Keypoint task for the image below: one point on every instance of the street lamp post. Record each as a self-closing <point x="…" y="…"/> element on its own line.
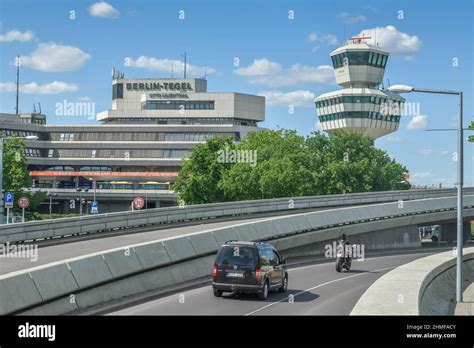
<point x="94" y="184"/>
<point x="460" y="174"/>
<point x="80" y="199"/>
<point x="51" y="195"/>
<point x="28" y="137"/>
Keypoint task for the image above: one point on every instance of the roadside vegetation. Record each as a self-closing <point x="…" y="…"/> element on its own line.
<point x="16" y="177"/>
<point x="281" y="163"/>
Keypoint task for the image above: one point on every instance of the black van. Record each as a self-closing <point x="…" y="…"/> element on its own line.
<point x="248" y="267"/>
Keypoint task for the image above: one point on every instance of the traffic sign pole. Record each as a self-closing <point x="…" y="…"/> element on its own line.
<point x="138" y="203"/>
<point x="23" y="203"/>
<point x="9" y="197"/>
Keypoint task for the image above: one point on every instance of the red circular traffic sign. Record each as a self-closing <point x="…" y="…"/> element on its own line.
<point x="138" y="203"/>
<point x="23" y="202"/>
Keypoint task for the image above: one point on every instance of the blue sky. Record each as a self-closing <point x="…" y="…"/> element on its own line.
<point x="281" y="54"/>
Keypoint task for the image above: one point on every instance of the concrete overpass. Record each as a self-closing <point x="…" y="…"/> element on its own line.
<point x="174" y="262"/>
<point x="164" y="217"/>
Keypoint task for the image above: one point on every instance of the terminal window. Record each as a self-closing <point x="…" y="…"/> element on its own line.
<point x="178" y="105"/>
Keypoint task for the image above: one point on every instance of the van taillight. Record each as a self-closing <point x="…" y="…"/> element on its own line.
<point x="214" y="271"/>
<point x="258" y="273"/>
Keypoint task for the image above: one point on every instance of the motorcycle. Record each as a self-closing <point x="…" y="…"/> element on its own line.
<point x="343" y="257"/>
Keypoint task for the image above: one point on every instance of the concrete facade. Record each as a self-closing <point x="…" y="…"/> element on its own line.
<point x="140" y="145"/>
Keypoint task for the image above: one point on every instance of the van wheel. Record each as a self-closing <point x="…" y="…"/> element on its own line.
<point x="284" y="284"/>
<point x="264" y="293"/>
<point x="217" y="293"/>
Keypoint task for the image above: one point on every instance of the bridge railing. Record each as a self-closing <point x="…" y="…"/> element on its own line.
<point x="89" y="224"/>
<point x="133" y="269"/>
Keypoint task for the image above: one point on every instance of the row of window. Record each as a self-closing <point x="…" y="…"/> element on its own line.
<point x="16" y="133"/>
<point x="82" y="169"/>
<point x="32" y="152"/>
<point x="150" y="136"/>
<point x="181" y="121"/>
<point x="359" y="58"/>
<point x="66" y="137"/>
<point x="120" y="154"/>
<point x="178" y="105"/>
<point x="358" y="99"/>
<point x="360" y="114"/>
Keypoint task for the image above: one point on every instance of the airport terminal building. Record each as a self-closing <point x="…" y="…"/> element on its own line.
<point x="139" y="145"/>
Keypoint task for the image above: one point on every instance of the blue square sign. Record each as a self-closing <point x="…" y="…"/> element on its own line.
<point x="95" y="207"/>
<point x="9" y="199"/>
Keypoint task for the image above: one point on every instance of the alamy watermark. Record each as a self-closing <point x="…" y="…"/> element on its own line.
<point x="20" y="251"/>
<point x="403" y="109"/>
<point x="83" y="107"/>
<point x="354" y="251"/>
<point x="229" y="155"/>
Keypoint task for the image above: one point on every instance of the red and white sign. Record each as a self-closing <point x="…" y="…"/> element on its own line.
<point x="138" y="203"/>
<point x="23" y="202"/>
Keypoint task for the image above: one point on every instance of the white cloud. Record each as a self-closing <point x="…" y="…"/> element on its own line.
<point x="52" y="57"/>
<point x="265" y="72"/>
<point x="297" y="98"/>
<point x="418" y="122"/>
<point x="55" y="87"/>
<point x="329" y="39"/>
<point x="444" y="152"/>
<point x="84" y="99"/>
<point x="422" y="175"/>
<point x="103" y="10"/>
<point x="260" y="67"/>
<point x="15" y="35"/>
<point x="425" y="152"/>
<point x="318" y="126"/>
<point x="347" y="18"/>
<point x="392" y="40"/>
<point x="312" y="36"/>
<point x="394" y="138"/>
<point x="168" y="66"/>
<point x="7" y="86"/>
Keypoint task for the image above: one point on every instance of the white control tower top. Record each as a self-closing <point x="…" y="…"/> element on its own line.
<point x="358" y="64"/>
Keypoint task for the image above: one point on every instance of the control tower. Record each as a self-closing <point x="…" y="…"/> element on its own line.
<point x="360" y="106"/>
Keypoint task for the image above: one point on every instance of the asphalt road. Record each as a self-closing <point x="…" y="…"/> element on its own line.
<point x="64" y="251"/>
<point x="316" y="290"/>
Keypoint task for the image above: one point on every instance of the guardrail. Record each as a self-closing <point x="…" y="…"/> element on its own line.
<point x="117" y="273"/>
<point x="57" y="228"/>
<point x="422" y="287"/>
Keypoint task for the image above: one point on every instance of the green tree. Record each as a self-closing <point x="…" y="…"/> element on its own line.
<point x="281" y="168"/>
<point x="348" y="162"/>
<point x="471" y="137"/>
<point x="200" y="173"/>
<point x="15" y="174"/>
<point x="287" y="165"/>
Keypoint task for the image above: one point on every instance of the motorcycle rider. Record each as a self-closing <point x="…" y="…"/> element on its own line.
<point x="345" y="244"/>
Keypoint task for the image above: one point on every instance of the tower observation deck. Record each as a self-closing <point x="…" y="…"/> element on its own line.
<point x="360" y="106"/>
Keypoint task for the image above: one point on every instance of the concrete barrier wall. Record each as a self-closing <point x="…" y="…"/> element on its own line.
<point x="35" y="230"/>
<point x="426" y="286"/>
<point x="173" y="261"/>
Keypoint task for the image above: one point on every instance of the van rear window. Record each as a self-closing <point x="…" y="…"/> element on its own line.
<point x="237" y="255"/>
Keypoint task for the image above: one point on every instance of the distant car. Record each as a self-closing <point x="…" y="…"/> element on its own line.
<point x="248" y="267"/>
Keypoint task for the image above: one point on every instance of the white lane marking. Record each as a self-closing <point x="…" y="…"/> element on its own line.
<point x="318" y="286"/>
<point x="368" y="258"/>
